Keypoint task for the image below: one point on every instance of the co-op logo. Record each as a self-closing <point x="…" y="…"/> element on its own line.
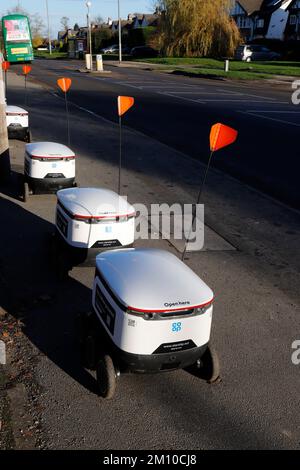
<point x="176" y="304"/>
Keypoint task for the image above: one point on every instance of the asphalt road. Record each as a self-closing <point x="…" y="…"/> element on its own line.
<point x="179" y="111"/>
<point x="256" y="284"/>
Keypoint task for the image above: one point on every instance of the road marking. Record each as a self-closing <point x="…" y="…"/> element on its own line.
<point x="282" y="121"/>
<point x="164" y="93"/>
<point x="271" y="111"/>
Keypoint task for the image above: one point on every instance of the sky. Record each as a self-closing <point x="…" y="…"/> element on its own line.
<point x="76" y="10"/>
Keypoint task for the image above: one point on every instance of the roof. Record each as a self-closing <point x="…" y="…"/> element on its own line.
<point x="250" y="6"/>
<point x="152" y="280"/>
<point x="48" y="149"/>
<point x="94" y="202"/>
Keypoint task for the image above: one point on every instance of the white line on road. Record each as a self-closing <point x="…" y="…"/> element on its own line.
<point x="271" y="111"/>
<point x="282" y="121"/>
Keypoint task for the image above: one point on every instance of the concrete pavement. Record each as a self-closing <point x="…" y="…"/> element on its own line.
<point x="256" y="316"/>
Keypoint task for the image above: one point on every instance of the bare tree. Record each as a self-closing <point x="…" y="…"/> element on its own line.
<point x="197" y="28"/>
<point x="36" y="22"/>
<point x="65" y="22"/>
<point x="97" y="19"/>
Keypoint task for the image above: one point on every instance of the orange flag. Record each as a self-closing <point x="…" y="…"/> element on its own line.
<point x="64" y="84"/>
<point x="124" y="103"/>
<point x="221" y="136"/>
<point x="26" y="69"/>
<point x="5" y="65"/>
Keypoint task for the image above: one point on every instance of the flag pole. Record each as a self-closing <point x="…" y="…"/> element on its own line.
<point x="5" y="80"/>
<point x="68" y="121"/>
<point x="198" y="202"/>
<point x="120" y="155"/>
<point x="25" y="76"/>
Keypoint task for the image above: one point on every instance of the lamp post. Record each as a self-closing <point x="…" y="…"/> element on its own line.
<point x="120" y="33"/>
<point x="88" y="5"/>
<point x="48" y="22"/>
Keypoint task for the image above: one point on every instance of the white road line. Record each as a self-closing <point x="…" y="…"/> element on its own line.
<point x="271" y="111"/>
<point x="282" y="121"/>
<point x="180" y="97"/>
<point x="231" y="100"/>
<point x="202" y="93"/>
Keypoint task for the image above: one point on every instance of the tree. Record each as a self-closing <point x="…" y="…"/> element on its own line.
<point x="36" y="22"/>
<point x="65" y="22"/>
<point x="97" y="19"/>
<point x="197" y="28"/>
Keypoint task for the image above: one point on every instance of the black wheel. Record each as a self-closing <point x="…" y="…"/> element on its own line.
<point x="207" y="367"/>
<point x="106" y="377"/>
<point x="28" y="137"/>
<point x="26" y="192"/>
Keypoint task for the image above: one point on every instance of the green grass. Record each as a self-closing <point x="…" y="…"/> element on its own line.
<point x="54" y="55"/>
<point x="238" y="69"/>
<point x="213" y="73"/>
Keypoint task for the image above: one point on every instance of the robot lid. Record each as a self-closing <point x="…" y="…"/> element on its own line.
<point x="15" y="111"/>
<point x="49" y="150"/>
<point x="96" y="203"/>
<point x="151" y="280"/>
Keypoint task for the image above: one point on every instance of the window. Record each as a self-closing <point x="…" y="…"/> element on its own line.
<point x="260" y="23"/>
<point x="293" y="19"/>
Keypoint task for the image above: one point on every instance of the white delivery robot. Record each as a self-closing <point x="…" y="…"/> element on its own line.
<point x="17" y="123"/>
<point x="48" y="167"/>
<point x="151" y="313"/>
<point x="89" y="220"/>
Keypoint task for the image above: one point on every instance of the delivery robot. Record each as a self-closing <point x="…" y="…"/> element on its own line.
<point x="88" y="221"/>
<point x="48" y="167"/>
<point x="151" y="313"/>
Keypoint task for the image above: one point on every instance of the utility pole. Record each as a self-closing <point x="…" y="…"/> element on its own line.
<point x="88" y="5"/>
<point x="4" y="146"/>
<point x="49" y="35"/>
<point x="120" y="33"/>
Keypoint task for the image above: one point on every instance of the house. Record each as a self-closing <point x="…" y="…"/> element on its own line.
<point x="245" y="12"/>
<point x="145" y="20"/>
<point x="268" y="19"/>
<point x="292" y="31"/>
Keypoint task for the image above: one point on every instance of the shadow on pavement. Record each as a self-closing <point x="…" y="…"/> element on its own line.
<point x="30" y="292"/>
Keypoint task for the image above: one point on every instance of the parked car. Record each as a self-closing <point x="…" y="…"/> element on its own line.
<point x="114" y="49"/>
<point x="143" y="51"/>
<point x="253" y="52"/>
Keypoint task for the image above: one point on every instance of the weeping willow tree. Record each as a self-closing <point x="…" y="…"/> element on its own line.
<point x="197" y="28"/>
